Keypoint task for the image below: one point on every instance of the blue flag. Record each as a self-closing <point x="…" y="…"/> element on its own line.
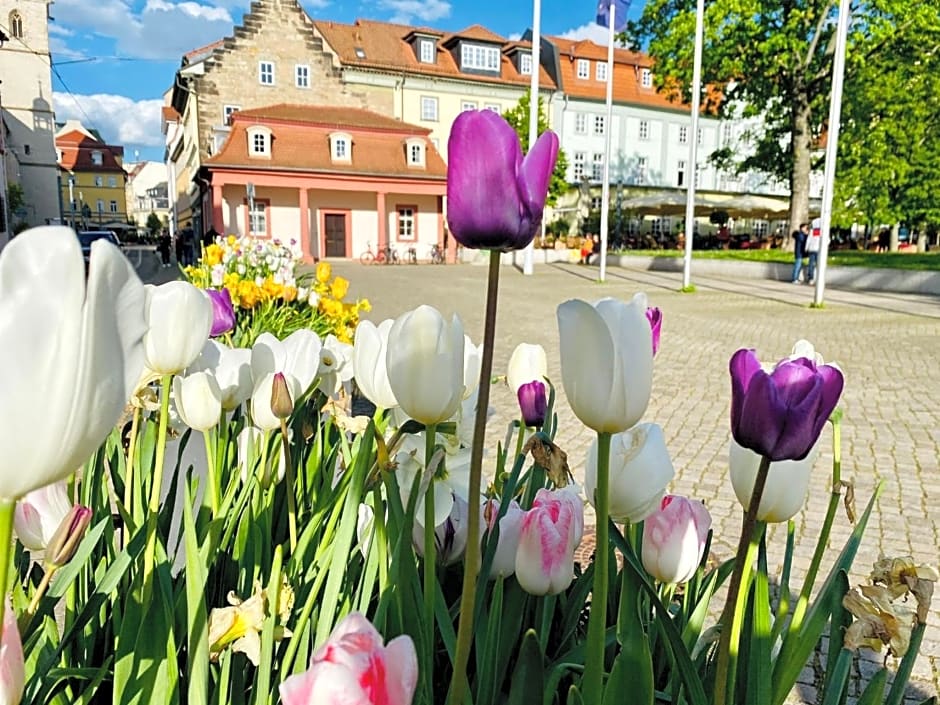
<point x="620" y="16"/>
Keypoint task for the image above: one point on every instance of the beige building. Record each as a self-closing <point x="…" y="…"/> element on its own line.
<point x="26" y="109"/>
<point x="146" y="192"/>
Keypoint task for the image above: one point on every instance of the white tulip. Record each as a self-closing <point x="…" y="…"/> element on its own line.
<point x="71" y="356"/>
<point x="606" y="361"/>
<point x="297" y="356"/>
<point x="370" y="346"/>
<point x="528" y="363"/>
<point x="198" y="400"/>
<point x="510" y="530"/>
<point x="472" y="362"/>
<point x="231" y="368"/>
<point x="450" y="536"/>
<point x="39" y="514"/>
<point x="261" y="414"/>
<point x="179" y="317"/>
<point x="425" y="362"/>
<point x="787" y="482"/>
<point x="640" y="469"/>
<point x="336" y="366"/>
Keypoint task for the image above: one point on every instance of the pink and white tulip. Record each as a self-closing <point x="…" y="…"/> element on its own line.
<point x="550" y="533"/>
<point x="510" y="529"/>
<point x="354" y="668"/>
<point x="38" y="515"/>
<point x="674" y="539"/>
<point x="12" y="669"/>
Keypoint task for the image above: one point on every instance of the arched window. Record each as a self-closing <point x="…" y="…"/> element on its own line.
<point x="16" y="25"/>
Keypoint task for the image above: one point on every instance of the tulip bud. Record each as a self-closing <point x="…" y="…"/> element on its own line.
<point x="12" y="668"/>
<point x="640" y="469"/>
<point x="533" y="404"/>
<point x="674" y="538"/>
<point x="282" y="406"/>
<point x="223" y="313"/>
<point x="180" y="319"/>
<point x="510" y="528"/>
<point x="38" y="515"/>
<point x="262" y="410"/>
<point x="67" y="537"/>
<point x="527" y="363"/>
<point x="198" y="400"/>
<point x="550" y="533"/>
<point x="655" y="317"/>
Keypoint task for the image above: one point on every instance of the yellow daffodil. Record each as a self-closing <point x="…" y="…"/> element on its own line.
<point x="339" y="287"/>
<point x="324" y="271"/>
<point x="239" y="625"/>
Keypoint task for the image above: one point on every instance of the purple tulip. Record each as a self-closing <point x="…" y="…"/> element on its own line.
<point x="655" y="317"/>
<point x="495" y="197"/>
<point x="780" y="414"/>
<point x="223" y="313"/>
<point x="533" y="403"/>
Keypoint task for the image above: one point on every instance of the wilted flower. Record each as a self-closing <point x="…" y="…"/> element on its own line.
<point x="901" y="576"/>
<point x="71" y="357"/>
<point x="878" y="621"/>
<point x="354" y="668"/>
<point x="495" y="197"/>
<point x="780" y="414"/>
<point x="640" y="469"/>
<point x="606" y="361"/>
<point x="674" y="539"/>
<point x="240" y="625"/>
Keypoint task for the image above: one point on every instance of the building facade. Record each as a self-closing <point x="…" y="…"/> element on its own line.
<point x="336" y="181"/>
<point x="146" y="192"/>
<point x="93" y="179"/>
<point x="27" y="111"/>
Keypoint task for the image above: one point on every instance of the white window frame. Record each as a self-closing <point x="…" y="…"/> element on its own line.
<point x="600" y="71"/>
<point x="644" y="129"/>
<point x="600" y="124"/>
<point x="646" y="78"/>
<point x="580" y="123"/>
<point x="425" y="51"/>
<point x="584" y="68"/>
<point x="597" y="167"/>
<point x="415" y="152"/>
<point x="525" y="64"/>
<point x="112" y="182"/>
<point x="99" y="181"/>
<point x="266" y="73"/>
<point x="642" y="166"/>
<point x="495" y="107"/>
<point x="227" y="111"/>
<point x="680" y="173"/>
<point x="700" y="136"/>
<point x="258" y="218"/>
<point x="728" y="132"/>
<point x="97" y="158"/>
<point x="466" y="105"/>
<point x="100" y="205"/>
<point x="341" y="147"/>
<point x="259" y="141"/>
<point x="113" y="206"/>
<point x="683" y="134"/>
<point x="577" y="165"/>
<point x="479" y="57"/>
<point x="407" y="222"/>
<point x="302" y="75"/>
<point x="429" y="108"/>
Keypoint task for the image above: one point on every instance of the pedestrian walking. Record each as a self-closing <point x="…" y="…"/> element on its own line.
<point x="812" y="250"/>
<point x="799" y="250"/>
<point x="164" y="247"/>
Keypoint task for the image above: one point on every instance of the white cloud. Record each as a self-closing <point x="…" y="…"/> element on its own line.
<point x="591" y="30"/>
<point x="514" y="36"/>
<point x="163" y="29"/>
<point x="60" y="31"/>
<point x="406" y="11"/>
<point x="119" y="119"/>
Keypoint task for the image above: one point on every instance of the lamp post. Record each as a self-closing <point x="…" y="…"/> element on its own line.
<point x="72" y="199"/>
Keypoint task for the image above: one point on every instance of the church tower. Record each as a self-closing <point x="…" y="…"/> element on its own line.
<point x="27" y="113"/>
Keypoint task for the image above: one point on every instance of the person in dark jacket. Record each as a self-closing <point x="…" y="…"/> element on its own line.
<point x="799" y="251"/>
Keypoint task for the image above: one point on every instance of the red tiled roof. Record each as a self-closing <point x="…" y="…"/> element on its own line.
<point x="76" y="148"/>
<point x="384" y="47"/>
<point x="300" y="142"/>
<point x="203" y="51"/>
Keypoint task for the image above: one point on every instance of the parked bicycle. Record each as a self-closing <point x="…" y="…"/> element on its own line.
<point x="391" y="255"/>
<point x="437" y="254"/>
<point x="411" y="256"/>
<point x="370" y="257"/>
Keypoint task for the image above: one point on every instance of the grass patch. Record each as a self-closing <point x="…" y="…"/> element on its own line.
<point x="927" y="261"/>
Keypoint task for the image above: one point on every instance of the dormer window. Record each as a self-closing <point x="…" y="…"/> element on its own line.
<point x="646" y="78"/>
<point x="259" y="141"/>
<point x="477" y="57"/>
<point x="341" y="147"/>
<point x="97" y="158"/>
<point x="426" y="51"/>
<point x="414" y="151"/>
<point x="584" y="68"/>
<point x="600" y="71"/>
<point x="525" y="64"/>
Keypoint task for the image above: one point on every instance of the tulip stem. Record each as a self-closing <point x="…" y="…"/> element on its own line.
<point x="458" y="683"/>
<point x="7" y="509"/>
<point x="733" y="612"/>
<point x="430" y="561"/>
<point x="592" y="684"/>
<point x="157" y="486"/>
<point x="129" y="474"/>
<point x="41" y="590"/>
<point x="212" y="487"/>
<point x="291" y="490"/>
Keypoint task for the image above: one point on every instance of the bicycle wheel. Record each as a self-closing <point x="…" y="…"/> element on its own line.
<point x="366" y="257"/>
<point x="380" y="258"/>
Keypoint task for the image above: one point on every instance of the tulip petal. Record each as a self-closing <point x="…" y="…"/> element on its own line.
<point x="535" y="173"/>
<point x="401" y="663"/>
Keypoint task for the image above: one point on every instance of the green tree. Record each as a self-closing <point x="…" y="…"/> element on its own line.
<point x="771" y="59"/>
<point x="16" y="199"/>
<point x="518" y="117"/>
<point x="154" y="224"/>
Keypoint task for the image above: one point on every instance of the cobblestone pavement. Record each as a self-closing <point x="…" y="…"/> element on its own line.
<point x="887" y="344"/>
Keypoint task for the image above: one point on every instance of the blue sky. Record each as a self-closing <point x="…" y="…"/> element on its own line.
<point x="115" y="58"/>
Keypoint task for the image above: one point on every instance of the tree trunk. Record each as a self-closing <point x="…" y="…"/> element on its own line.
<point x="894" y="241"/>
<point x="800" y="149"/>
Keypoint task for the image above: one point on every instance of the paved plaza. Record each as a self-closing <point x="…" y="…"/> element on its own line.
<point x="888" y="346"/>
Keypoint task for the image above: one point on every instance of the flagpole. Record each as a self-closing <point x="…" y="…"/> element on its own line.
<point x="529" y="252"/>
<point x="693" y="144"/>
<point x="608" y="133"/>
<point x="832" y="149"/>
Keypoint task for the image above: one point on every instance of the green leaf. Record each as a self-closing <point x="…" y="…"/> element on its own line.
<point x="574" y="696"/>
<point x="633" y="667"/>
<point x="875" y="689"/>
<point x="197" y="621"/>
<point x="759" y="666"/>
<point x="837" y="678"/>
<point x="528" y="677"/>
<point x="66" y="575"/>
